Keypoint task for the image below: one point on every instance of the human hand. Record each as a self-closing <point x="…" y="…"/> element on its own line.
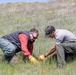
<point x="41" y="57"/>
<point x="32" y="59"/>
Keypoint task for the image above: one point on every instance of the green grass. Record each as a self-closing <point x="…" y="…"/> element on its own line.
<point x="24" y="16"/>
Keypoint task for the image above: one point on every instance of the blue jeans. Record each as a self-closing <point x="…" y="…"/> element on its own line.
<point x="7" y="47"/>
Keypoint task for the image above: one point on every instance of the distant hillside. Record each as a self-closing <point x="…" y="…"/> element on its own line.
<point x="37" y="14"/>
<point x="61" y="7"/>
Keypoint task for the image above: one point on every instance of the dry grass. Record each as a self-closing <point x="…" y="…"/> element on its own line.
<point x="19" y="16"/>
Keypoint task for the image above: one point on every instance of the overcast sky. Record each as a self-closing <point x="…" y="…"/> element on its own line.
<point x="7" y="1"/>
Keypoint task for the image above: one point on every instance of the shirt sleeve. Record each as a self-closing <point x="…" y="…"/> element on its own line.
<point x="24" y="40"/>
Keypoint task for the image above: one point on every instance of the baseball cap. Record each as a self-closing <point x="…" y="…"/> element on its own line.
<point x="49" y="30"/>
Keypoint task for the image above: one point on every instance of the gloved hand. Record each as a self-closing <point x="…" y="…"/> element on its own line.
<point x="32" y="59"/>
<point x="41" y="57"/>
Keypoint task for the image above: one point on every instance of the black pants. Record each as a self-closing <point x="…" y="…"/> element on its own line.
<point x="64" y="48"/>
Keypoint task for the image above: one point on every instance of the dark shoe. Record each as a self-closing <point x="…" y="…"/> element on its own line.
<point x="2" y="58"/>
<point x="5" y="58"/>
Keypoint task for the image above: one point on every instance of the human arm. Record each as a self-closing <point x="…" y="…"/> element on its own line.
<point x="53" y="48"/>
<point x="27" y="52"/>
<point x="42" y="57"/>
<point x="31" y="48"/>
<point x="24" y="40"/>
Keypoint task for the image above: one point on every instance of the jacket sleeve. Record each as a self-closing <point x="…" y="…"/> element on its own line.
<point x="24" y="41"/>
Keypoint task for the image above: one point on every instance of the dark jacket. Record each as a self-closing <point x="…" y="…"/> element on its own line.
<point x="13" y="38"/>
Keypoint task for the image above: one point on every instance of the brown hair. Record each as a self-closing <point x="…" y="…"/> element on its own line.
<point x="34" y="30"/>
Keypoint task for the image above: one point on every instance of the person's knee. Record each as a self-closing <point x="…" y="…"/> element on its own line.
<point x="9" y="53"/>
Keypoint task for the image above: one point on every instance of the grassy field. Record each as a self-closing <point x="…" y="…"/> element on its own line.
<point x="23" y="16"/>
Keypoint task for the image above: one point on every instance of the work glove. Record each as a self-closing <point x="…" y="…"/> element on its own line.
<point x="41" y="57"/>
<point x="32" y="59"/>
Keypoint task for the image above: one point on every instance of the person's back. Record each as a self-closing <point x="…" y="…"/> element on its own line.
<point x="63" y="35"/>
<point x="13" y="37"/>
